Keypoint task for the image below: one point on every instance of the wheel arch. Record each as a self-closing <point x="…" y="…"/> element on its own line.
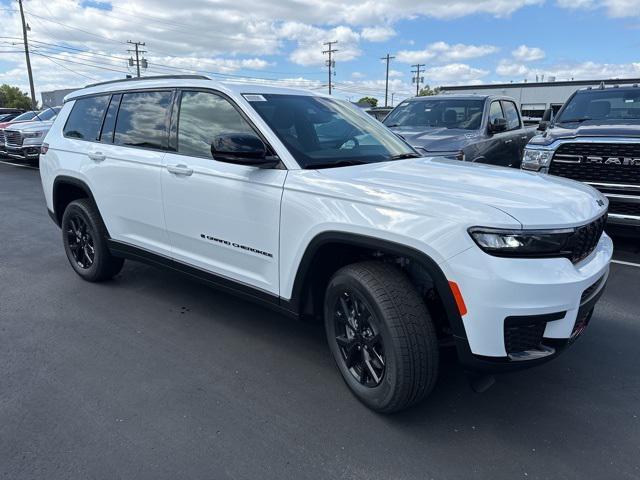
<point x="329" y="251"/>
<point x="66" y="189"/>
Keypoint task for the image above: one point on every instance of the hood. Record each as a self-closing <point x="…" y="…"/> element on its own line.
<point x="12" y="122"/>
<point x="30" y="126"/>
<point x="449" y="188"/>
<point x="437" y="139"/>
<point x="611" y="128"/>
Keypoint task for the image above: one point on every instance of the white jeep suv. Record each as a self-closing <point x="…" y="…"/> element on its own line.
<point x="304" y="203"/>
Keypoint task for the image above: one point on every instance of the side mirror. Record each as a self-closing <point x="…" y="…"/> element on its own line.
<point x="242" y="149"/>
<point x="546" y="119"/>
<point x="498" y="125"/>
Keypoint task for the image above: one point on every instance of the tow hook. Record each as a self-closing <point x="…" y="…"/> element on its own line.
<point x="480" y="383"/>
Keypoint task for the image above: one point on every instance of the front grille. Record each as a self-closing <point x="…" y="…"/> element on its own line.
<point x="520" y="338"/>
<point x="584" y="170"/>
<point x="624" y="208"/>
<point x="585" y="239"/>
<point x="13" y="138"/>
<point x="1" y="137"/>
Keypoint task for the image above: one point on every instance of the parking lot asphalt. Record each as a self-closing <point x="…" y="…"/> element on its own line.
<point x="154" y="376"/>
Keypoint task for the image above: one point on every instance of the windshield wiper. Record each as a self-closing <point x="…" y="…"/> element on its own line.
<point x="339" y="163"/>
<point x="402" y="156"/>
<point x="579" y="120"/>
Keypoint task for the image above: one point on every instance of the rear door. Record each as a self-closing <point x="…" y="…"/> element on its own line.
<point x="124" y="168"/>
<point x="221" y="217"/>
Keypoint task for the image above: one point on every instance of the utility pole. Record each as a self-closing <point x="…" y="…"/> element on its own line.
<point x="392" y="95"/>
<point x="26" y="52"/>
<point x="418" y="79"/>
<point x="386" y="82"/>
<point x="138" y="53"/>
<point x="330" y="63"/>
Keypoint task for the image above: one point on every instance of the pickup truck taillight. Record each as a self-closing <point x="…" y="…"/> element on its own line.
<point x="44" y="149"/>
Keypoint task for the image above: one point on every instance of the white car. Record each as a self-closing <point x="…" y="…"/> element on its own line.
<point x="234" y="185"/>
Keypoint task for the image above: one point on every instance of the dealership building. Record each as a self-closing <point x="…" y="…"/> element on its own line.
<point x="535" y="97"/>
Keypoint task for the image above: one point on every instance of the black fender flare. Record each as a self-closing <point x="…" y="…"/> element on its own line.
<point x="387" y="246"/>
<point x="76" y="182"/>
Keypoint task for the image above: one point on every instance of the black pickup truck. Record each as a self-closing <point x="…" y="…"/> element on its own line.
<point x="595" y="138"/>
<point x="473" y="128"/>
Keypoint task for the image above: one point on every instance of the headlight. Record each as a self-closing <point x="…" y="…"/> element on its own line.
<point x="535" y="159"/>
<point x="523" y="243"/>
<point x="33" y="134"/>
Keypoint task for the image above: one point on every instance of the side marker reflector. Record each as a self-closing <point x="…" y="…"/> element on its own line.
<point x="462" y="308"/>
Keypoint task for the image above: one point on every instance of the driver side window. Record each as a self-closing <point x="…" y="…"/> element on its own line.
<point x="495" y="111"/>
<point x="203" y="115"/>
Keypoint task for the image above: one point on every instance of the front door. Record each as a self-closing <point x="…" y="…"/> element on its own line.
<point x="221" y="217"/>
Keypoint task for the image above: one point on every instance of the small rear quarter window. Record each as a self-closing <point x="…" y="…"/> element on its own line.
<point x="85" y="119"/>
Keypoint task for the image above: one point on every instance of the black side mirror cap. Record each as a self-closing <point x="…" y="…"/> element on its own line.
<point x="547" y="117"/>
<point x="242" y="149"/>
<point x="498" y="125"/>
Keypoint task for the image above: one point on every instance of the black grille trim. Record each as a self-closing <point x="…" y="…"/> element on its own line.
<point x="569" y="162"/>
<point x="585" y="239"/>
<point x="524" y="333"/>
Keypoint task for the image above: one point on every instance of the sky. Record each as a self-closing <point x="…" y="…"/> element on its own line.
<point x="75" y="42"/>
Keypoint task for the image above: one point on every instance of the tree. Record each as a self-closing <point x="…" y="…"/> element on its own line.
<point x="370" y="100"/>
<point x="13" y="97"/>
<point x="427" y="90"/>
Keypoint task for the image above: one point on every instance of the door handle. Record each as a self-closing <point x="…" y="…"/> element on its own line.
<point x="508" y="141"/>
<point x="524" y="137"/>
<point x="180" y="170"/>
<point x="97" y="156"/>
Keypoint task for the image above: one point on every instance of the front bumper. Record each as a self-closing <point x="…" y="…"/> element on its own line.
<point x="26" y="152"/>
<point x="552" y="295"/>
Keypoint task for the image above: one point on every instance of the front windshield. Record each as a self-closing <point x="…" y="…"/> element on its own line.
<point x="602" y="105"/>
<point x="322" y="132"/>
<point x="25" y="116"/>
<point x="437" y="112"/>
<point x="48" y="114"/>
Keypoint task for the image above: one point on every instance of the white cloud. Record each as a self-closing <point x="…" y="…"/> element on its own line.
<point x="528" y="54"/>
<point x="453" y="73"/>
<point x="614" y="8"/>
<point x="444" y="52"/>
<point x="395" y="74"/>
<point x="507" y="68"/>
<point x="377" y="34"/>
<point x="568" y="71"/>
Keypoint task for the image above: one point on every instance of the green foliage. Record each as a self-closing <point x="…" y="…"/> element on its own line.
<point x="370" y="100"/>
<point x="427" y="90"/>
<point x="12" y="97"/>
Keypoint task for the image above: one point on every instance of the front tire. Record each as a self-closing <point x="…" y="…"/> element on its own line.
<point x="381" y="336"/>
<point x="85" y="242"/>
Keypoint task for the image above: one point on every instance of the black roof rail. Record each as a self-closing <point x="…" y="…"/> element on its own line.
<point x="155" y="77"/>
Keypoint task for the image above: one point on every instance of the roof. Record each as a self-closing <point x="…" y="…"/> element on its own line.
<point x="577" y="83"/>
<point x="195" y="81"/>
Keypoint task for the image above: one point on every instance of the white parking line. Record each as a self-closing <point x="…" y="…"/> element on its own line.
<point x="18" y="165"/>
<point x="630" y="264"/>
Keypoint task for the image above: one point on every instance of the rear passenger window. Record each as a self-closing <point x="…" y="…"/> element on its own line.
<point x="85" y="119"/>
<point x="511" y="114"/>
<point x="204" y="115"/>
<point x="142" y="120"/>
<point x="110" y="120"/>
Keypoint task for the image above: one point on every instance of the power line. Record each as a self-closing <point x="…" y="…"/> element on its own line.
<point x="418" y="79"/>
<point x="386" y="80"/>
<point x="68" y="69"/>
<point x="330" y="63"/>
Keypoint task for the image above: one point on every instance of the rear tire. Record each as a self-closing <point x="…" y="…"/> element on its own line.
<point x="85" y="242"/>
<point x="381" y="336"/>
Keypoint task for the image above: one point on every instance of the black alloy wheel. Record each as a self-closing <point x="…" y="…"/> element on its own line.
<point x="81" y="243"/>
<point x="358" y="340"/>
